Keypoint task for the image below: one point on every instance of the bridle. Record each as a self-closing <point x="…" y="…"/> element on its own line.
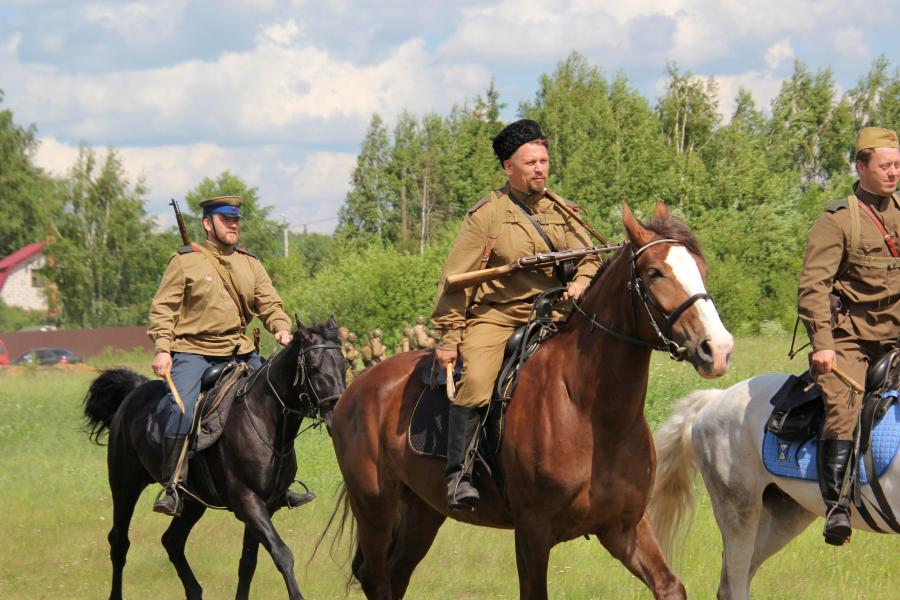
<point x="307" y="395"/>
<point x="636" y="286"/>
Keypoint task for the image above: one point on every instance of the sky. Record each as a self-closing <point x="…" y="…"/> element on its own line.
<point x="281" y="93"/>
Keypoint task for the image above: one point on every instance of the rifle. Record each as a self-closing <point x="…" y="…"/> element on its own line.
<point x="180" y="220"/>
<point x="461" y="281"/>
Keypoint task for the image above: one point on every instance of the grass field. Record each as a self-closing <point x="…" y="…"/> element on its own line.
<point x="56" y="509"/>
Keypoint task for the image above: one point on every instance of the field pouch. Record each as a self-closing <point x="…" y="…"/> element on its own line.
<point x="797" y="409"/>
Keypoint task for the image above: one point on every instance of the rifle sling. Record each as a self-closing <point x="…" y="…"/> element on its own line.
<point x="557" y="267"/>
<point x="226" y="281"/>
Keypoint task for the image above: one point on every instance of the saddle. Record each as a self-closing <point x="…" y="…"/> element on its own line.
<point x="427" y="432"/>
<point x="790" y="443"/>
<point x="218" y="388"/>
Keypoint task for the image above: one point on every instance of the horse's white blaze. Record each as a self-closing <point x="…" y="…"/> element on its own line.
<point x="684" y="267"/>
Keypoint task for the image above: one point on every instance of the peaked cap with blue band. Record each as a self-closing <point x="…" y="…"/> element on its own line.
<point x="223" y="205"/>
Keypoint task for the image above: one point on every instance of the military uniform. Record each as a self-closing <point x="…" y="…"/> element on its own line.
<point x="194" y="318"/>
<point x="422" y="338"/>
<point x="207" y="295"/>
<point x="849" y="302"/>
<point x="480" y="321"/>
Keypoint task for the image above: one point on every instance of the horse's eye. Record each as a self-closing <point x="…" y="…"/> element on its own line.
<point x="653" y="274"/>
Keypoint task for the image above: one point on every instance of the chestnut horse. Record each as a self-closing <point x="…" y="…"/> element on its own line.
<point x="577" y="454"/>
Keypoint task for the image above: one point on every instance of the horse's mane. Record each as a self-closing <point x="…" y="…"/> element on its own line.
<point x="672" y="228"/>
<point x="326" y="331"/>
<point x="668" y="227"/>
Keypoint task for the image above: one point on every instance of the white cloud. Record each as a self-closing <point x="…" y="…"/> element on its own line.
<point x="283" y="90"/>
<point x="853" y="43"/>
<point x="779" y="53"/>
<point x="308" y="189"/>
<point x="763" y="85"/>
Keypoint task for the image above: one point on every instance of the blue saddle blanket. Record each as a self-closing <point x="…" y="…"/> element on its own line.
<point x="797" y="460"/>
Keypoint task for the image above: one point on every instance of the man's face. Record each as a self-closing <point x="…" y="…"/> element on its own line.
<point x="528" y="167"/>
<point x="222" y="228"/>
<point x="880" y="175"/>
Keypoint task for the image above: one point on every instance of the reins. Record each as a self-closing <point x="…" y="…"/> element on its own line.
<point x="664" y="342"/>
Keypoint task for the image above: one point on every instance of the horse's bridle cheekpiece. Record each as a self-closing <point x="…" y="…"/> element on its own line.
<point x="636" y="285"/>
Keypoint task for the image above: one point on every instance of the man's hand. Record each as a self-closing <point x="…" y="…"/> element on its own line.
<point x="445" y="357"/>
<point x="162" y="362"/>
<point x="283" y="337"/>
<point x="822" y="360"/>
<point x="574" y="291"/>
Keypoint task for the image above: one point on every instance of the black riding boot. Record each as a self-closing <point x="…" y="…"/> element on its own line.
<point x="169" y="502"/>
<point x="294" y="499"/>
<point x="833" y="460"/>
<point x="461" y="427"/>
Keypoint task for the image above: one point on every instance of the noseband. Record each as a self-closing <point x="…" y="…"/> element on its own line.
<point x="664" y="342"/>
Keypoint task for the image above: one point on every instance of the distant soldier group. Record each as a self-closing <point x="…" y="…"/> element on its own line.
<point x="373" y="351"/>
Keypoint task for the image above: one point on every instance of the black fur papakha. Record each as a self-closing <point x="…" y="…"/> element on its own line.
<point x="514" y="135"/>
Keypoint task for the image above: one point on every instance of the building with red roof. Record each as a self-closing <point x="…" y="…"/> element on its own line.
<point x="20" y="283"/>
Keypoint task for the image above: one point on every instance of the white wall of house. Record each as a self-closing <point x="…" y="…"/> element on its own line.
<point x="23" y="286"/>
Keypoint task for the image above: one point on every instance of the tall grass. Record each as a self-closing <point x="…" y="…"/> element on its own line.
<point x="56" y="512"/>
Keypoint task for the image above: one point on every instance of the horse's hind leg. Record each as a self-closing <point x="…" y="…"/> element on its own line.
<point x="639" y="551"/>
<point x="247" y="565"/>
<point x="174" y="540"/>
<point x="415" y="532"/>
<point x="781" y="520"/>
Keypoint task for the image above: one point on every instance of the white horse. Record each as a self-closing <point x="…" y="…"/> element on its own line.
<point x="721" y="433"/>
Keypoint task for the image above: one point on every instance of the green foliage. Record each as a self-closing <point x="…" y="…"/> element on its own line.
<point x="374" y="286"/>
<point x="104" y="256"/>
<point x="26" y="192"/>
<point x="13" y="318"/>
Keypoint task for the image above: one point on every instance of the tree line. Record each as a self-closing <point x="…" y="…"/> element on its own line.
<point x="749" y="186"/>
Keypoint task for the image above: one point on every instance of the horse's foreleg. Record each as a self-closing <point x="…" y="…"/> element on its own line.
<point x="247" y="566"/>
<point x="174" y="540"/>
<point x="532" y="556"/>
<point x="253" y="512"/>
<point x="415" y="532"/>
<point x="639" y="551"/>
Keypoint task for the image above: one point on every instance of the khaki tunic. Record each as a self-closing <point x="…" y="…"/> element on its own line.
<point x="870" y="318"/>
<point x="193" y="312"/>
<point x="422" y="337"/>
<point x="478" y="322"/>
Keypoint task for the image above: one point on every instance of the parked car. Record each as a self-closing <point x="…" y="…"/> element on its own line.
<point x="4" y="354"/>
<point x="47" y="356"/>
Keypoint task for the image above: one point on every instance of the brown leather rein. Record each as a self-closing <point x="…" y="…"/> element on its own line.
<point x="664" y="341"/>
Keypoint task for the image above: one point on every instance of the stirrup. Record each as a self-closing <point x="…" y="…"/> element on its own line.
<point x="302" y="498"/>
<point x="464" y="499"/>
<point x="839" y="533"/>
<point x="160" y="505"/>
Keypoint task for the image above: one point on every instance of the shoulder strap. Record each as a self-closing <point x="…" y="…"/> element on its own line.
<point x="558" y="269"/>
<point x="853" y="207"/>
<point x="227" y="281"/>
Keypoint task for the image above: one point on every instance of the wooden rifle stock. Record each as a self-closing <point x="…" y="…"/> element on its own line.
<point x="461" y="281"/>
<point x="180" y="220"/>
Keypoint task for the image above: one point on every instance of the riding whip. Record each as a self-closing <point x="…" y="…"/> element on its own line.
<point x="175" y="393"/>
<point x="847" y="379"/>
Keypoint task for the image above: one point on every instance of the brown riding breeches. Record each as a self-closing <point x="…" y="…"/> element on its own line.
<point x="481" y="352"/>
<point x="841" y="405"/>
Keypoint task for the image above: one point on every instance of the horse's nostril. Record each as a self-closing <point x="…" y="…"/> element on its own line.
<point x="705" y="350"/>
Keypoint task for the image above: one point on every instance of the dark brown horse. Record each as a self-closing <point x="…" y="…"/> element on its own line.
<point x="577" y="453"/>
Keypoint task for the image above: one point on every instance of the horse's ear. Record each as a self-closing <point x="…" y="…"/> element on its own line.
<point x="662" y="211"/>
<point x="331" y="323"/>
<point x="299" y="323"/>
<point x="639" y="236"/>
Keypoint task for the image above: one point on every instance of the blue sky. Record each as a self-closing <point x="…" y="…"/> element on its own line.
<point x="280" y="93"/>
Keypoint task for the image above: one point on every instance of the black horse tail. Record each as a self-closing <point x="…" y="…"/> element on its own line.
<point x="104" y="397"/>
